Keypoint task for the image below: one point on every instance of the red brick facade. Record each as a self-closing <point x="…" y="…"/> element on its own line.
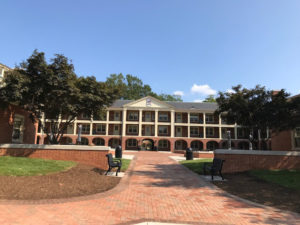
<point x="90" y="157"/>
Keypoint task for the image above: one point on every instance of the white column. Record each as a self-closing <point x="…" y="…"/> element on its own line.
<point x="189" y="125"/>
<point x="220" y="128"/>
<point x="91" y="128"/>
<point x="204" y="125"/>
<point x="124" y="122"/>
<point x="155" y="124"/>
<point x="107" y="123"/>
<point x="140" y="122"/>
<point x="235" y="131"/>
<point x="172" y="122"/>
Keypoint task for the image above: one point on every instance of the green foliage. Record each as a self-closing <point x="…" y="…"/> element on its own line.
<point x="196" y="165"/>
<point x="54" y="89"/>
<point x="125" y="164"/>
<point x="256" y="108"/>
<point x="22" y="166"/>
<point x="210" y="98"/>
<point x="133" y="88"/>
<point x="286" y="178"/>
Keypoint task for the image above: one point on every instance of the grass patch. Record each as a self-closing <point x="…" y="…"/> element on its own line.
<point x="22" y="166"/>
<point x="286" y="178"/>
<point x="196" y="165"/>
<point x="125" y="164"/>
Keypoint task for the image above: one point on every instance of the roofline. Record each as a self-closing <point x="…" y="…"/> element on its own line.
<point x="5" y="66"/>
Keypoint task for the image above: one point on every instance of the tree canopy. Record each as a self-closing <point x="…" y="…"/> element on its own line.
<point x="53" y="89"/>
<point x="259" y="109"/>
<point x="131" y="88"/>
<point x="210" y="98"/>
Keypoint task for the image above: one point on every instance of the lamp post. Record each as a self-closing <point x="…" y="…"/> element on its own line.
<point x="79" y="134"/>
<point x="229" y="139"/>
<point x="250" y="140"/>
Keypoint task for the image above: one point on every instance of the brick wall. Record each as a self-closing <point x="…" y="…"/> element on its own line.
<point x="243" y="160"/>
<point x="6" y="125"/>
<point x="82" y="154"/>
<point x="282" y="141"/>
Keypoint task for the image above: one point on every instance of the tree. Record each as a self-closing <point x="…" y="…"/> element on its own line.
<point x="55" y="91"/>
<point x="210" y="98"/>
<point x="132" y="88"/>
<point x="256" y="109"/>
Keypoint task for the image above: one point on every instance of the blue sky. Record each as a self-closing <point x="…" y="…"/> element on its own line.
<point x="194" y="47"/>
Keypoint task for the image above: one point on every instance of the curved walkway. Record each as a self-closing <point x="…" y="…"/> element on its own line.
<point x="159" y="189"/>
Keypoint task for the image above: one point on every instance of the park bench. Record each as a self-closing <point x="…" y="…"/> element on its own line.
<point x="113" y="163"/>
<point x="213" y="168"/>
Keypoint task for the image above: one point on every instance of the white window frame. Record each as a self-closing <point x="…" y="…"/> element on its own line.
<point x="116" y="115"/>
<point x="194" y="130"/>
<point x="163" y="117"/>
<point x="194" y="118"/>
<point x="131" y="143"/>
<point x="132" y="129"/>
<point x="101" y="128"/>
<point x="209" y="118"/>
<point x="86" y="128"/>
<point x="163" y="130"/>
<point x="178" y="117"/>
<point x="208" y="133"/>
<point x="163" y="144"/>
<point x="86" y="116"/>
<point x="19" y="129"/>
<point x="133" y="116"/>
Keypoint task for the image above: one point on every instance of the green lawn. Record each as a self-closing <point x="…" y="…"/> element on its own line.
<point x="196" y="165"/>
<point x="286" y="178"/>
<point x="22" y="166"/>
<point x="125" y="164"/>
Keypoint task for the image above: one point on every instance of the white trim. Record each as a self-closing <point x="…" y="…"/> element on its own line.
<point x="56" y="147"/>
<point x="256" y="152"/>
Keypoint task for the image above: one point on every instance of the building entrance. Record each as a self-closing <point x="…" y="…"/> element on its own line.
<point x="147" y="144"/>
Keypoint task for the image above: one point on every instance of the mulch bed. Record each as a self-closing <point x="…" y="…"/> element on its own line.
<point x="78" y="181"/>
<point x="259" y="191"/>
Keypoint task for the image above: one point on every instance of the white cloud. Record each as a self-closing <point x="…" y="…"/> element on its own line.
<point x="230" y="91"/>
<point x="198" y="100"/>
<point x="203" y="89"/>
<point x="179" y="93"/>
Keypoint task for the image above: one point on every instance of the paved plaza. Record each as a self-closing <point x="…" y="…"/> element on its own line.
<point x="156" y="188"/>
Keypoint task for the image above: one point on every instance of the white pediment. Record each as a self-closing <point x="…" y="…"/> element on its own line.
<point x="148" y="102"/>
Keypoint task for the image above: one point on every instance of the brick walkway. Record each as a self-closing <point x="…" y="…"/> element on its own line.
<point x="159" y="189"/>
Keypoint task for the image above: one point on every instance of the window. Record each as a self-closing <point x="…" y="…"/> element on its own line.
<point x="100" y="128"/>
<point x="132" y="143"/>
<point x="178" y="118"/>
<point x="163" y="130"/>
<point x="99" y="141"/>
<point x="194" y="130"/>
<point x="209" y="131"/>
<point x="148" y="116"/>
<point x="86" y="116"/>
<point x="18" y="125"/>
<point x="163" y="144"/>
<point x="84" y="141"/>
<point x="163" y="116"/>
<point x="133" y="116"/>
<point x="117" y="116"/>
<point x="132" y="129"/>
<point x="116" y="128"/>
<point x="194" y="118"/>
<point x="209" y="118"/>
<point x="297" y="137"/>
<point x="86" y="128"/>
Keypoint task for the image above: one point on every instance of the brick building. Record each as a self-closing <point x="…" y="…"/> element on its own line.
<point x="147" y="123"/>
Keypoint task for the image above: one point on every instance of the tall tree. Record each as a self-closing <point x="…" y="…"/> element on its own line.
<point x="131" y="88"/>
<point x="210" y="98"/>
<point x="256" y="109"/>
<point x="55" y="91"/>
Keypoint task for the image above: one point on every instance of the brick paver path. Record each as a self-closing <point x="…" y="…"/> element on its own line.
<point x="159" y="189"/>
